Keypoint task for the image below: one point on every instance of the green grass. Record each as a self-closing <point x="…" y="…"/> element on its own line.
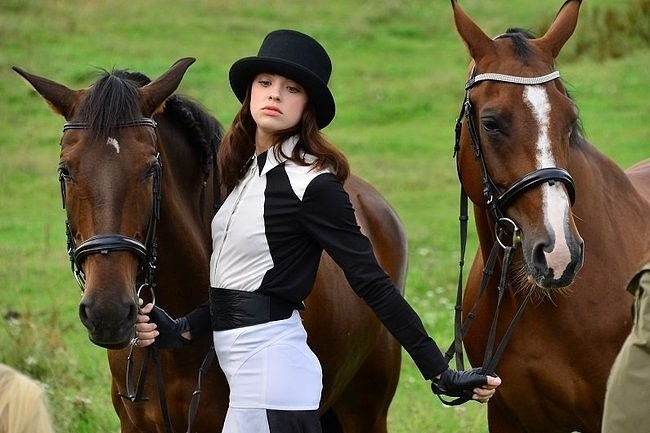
<point x="399" y="70"/>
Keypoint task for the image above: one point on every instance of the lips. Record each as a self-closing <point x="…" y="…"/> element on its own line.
<point x="272" y="108"/>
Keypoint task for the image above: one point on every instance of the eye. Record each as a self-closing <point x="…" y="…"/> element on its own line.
<point x="264" y="82"/>
<point x="64" y="173"/>
<point x="294" y="89"/>
<point x="490" y="125"/>
<point x="153" y="169"/>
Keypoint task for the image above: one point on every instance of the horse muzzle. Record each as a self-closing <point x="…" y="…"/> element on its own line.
<point x="109" y="320"/>
<point x="555" y="266"/>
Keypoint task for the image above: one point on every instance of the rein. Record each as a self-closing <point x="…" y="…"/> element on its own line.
<point x="507" y="233"/>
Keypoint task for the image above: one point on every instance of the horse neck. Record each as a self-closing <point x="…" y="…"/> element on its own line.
<point x="605" y="196"/>
<point x="609" y="211"/>
<point x="184" y="235"/>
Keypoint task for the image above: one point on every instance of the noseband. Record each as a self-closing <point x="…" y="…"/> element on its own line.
<point x="104" y="244"/>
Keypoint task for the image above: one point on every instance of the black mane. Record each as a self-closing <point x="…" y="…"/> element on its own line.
<point x="520" y="45"/>
<point x="113" y="100"/>
<point x="203" y="129"/>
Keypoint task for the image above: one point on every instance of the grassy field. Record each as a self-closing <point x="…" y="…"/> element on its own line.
<point x="399" y="70"/>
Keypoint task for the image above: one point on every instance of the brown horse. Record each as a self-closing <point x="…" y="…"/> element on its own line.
<point x="134" y="231"/>
<point x="522" y="160"/>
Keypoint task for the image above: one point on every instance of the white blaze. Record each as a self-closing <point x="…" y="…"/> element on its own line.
<point x="113" y="142"/>
<point x="554" y="199"/>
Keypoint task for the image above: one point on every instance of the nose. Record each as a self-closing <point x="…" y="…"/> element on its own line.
<point x="109" y="322"/>
<point x="557" y="268"/>
<point x="274" y="91"/>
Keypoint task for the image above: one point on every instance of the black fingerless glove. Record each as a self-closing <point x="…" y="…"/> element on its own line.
<point x="170" y="329"/>
<point x="454" y="383"/>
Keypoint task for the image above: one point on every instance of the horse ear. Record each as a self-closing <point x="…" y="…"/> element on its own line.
<point x="561" y="29"/>
<point x="476" y="40"/>
<point x="60" y="98"/>
<point x="154" y="94"/>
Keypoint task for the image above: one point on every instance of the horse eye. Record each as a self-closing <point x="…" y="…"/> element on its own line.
<point x="64" y="173"/>
<point x="152" y="170"/>
<point x="490" y="125"/>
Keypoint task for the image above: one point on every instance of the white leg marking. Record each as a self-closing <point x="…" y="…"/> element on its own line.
<point x="555" y="200"/>
<point x="113" y="142"/>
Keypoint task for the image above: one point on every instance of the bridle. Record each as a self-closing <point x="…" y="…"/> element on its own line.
<point x="104" y="244"/>
<point x="507" y="233"/>
<point x="146" y="252"/>
<point x="497" y="200"/>
<point x="147" y="255"/>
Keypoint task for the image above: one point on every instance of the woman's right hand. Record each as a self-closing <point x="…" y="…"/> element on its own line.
<point x="145" y="330"/>
<point x="154" y="326"/>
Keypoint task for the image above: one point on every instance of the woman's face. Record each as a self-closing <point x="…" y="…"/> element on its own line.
<point x="277" y="103"/>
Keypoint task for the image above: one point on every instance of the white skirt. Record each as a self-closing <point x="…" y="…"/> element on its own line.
<point x="270" y="366"/>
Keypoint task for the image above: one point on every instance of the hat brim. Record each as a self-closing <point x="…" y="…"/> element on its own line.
<point x="244" y="71"/>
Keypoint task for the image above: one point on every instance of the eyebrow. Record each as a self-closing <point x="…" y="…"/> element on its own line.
<point x="271" y="74"/>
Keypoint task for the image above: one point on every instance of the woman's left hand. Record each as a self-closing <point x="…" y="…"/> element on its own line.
<point x="484" y="393"/>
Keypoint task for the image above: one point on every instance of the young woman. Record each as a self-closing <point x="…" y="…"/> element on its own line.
<point x="286" y="205"/>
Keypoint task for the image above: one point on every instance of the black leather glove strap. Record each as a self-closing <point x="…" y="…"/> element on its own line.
<point x="170" y="329"/>
<point x="458" y="383"/>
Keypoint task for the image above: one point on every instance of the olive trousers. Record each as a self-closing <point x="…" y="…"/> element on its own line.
<point x="627" y="401"/>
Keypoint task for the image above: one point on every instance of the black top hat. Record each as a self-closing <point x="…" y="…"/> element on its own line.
<point x="296" y="56"/>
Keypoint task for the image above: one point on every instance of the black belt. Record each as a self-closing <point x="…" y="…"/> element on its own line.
<point x="230" y="309"/>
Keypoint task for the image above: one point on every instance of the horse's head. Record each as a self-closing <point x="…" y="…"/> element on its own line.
<point x="513" y="147"/>
<point x="110" y="184"/>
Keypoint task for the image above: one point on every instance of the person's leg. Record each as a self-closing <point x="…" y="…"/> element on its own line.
<point x="295" y="421"/>
<point x="245" y="421"/>
<point x="270" y="366"/>
<point x="626" y="401"/>
<point x="240" y="420"/>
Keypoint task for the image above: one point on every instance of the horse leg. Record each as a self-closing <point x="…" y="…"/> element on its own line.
<point x="501" y="420"/>
<point x="126" y="426"/>
<point x="330" y="422"/>
<point x="363" y="406"/>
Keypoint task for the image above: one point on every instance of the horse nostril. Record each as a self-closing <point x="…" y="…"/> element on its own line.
<point x="539" y="256"/>
<point x="83" y="312"/>
<point x="133" y="312"/>
<point x="582" y="249"/>
<point x="580" y="259"/>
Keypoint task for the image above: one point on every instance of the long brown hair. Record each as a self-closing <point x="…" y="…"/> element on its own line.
<point x="238" y="145"/>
